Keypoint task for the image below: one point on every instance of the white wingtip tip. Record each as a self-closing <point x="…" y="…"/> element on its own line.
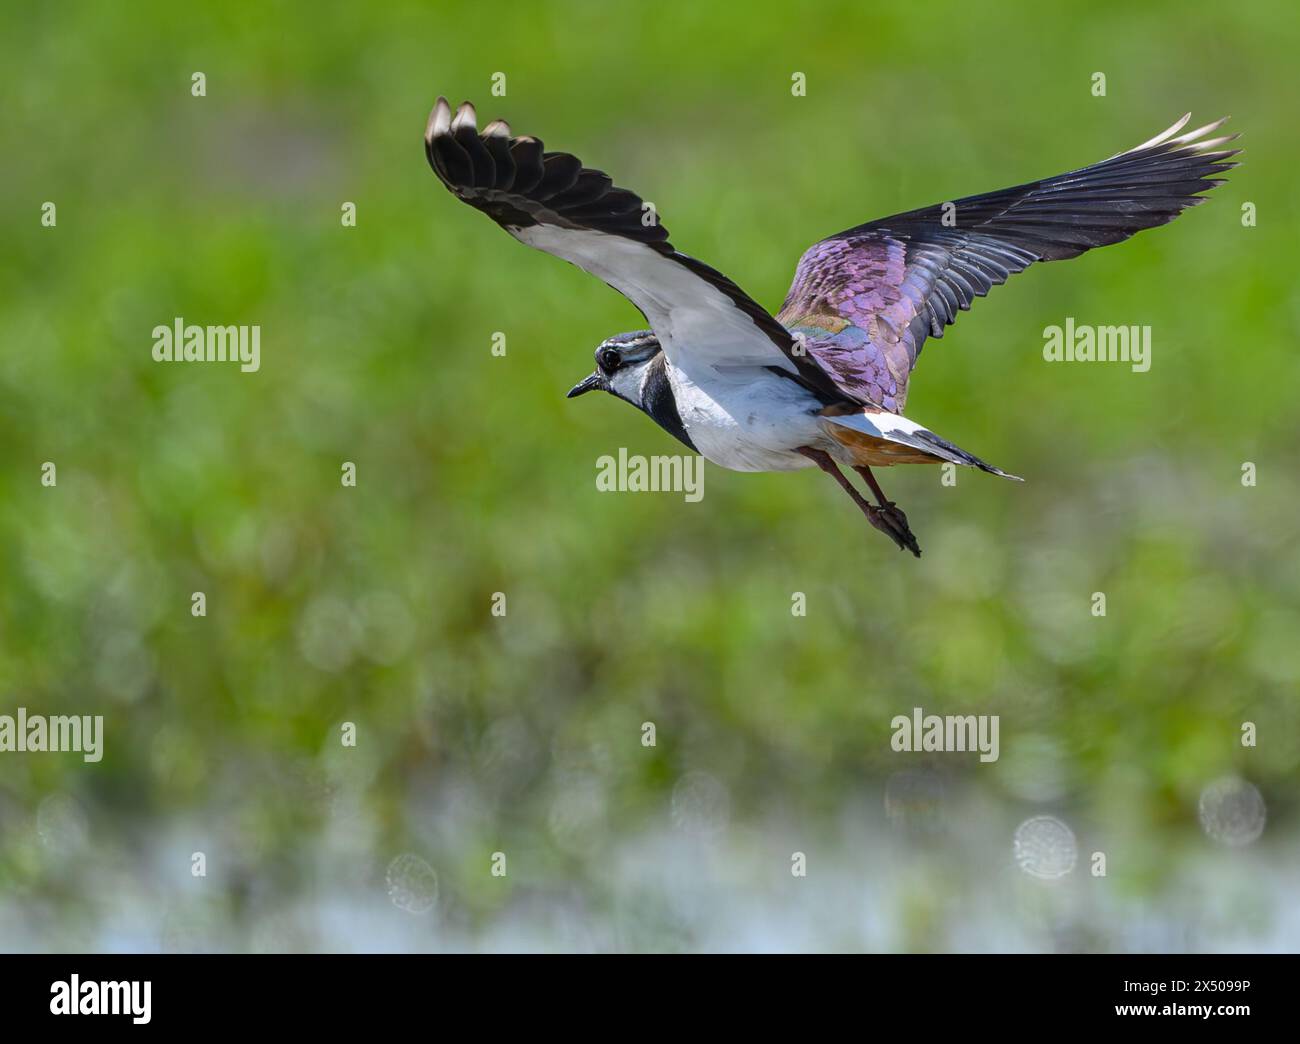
<point x="1191" y="136"/>
<point x="465" y="117"/>
<point x="439" y="119"/>
<point x="1164" y="135"/>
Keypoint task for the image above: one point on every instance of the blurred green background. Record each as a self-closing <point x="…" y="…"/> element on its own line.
<point x="523" y="735"/>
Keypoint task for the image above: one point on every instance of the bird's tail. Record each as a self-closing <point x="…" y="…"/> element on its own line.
<point x="883" y="438"/>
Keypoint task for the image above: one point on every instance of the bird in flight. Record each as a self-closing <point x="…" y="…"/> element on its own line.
<point x="824" y="381"/>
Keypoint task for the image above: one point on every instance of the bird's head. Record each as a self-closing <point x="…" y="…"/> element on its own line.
<point x="622" y="362"/>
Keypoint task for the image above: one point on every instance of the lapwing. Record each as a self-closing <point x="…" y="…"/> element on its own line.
<point x="823" y="382"/>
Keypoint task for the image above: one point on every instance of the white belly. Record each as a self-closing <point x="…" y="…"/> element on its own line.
<point x="753" y="422"/>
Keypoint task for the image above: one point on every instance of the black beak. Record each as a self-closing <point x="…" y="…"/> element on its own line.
<point x="593" y="383"/>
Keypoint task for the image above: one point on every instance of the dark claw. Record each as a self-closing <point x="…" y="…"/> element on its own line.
<point x="891" y="521"/>
<point x="888" y="517"/>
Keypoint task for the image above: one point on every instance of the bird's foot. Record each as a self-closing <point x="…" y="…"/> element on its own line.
<point x="888" y="517"/>
<point x="890" y="520"/>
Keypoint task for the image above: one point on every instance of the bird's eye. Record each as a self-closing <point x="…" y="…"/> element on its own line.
<point x="608" y="359"/>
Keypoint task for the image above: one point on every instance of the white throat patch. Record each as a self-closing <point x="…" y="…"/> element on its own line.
<point x="628" y="382"/>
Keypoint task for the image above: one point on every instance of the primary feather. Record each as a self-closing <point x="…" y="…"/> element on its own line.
<point x="865" y="300"/>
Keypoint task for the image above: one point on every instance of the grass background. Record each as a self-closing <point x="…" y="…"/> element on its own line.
<point x="523" y="734"/>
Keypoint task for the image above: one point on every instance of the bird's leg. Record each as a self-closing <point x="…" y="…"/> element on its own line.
<point x="887" y="507"/>
<point x="883" y="520"/>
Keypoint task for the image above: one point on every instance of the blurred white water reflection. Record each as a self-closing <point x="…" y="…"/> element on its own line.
<point x="919" y="863"/>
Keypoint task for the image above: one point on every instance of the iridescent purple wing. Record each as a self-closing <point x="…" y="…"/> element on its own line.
<point x="863" y="302"/>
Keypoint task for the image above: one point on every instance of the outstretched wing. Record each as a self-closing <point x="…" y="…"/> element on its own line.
<point x="864" y="301"/>
<point x="550" y="201"/>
